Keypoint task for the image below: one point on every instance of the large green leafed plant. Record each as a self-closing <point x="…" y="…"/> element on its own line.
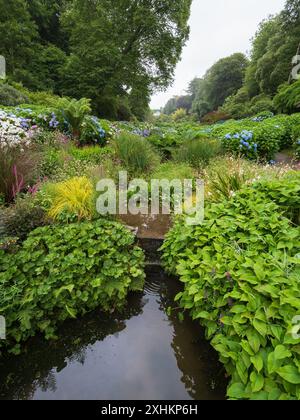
<point x="64" y="272"/>
<point x="241" y="275"/>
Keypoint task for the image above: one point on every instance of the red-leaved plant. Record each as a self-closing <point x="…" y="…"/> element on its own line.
<point x="17" y="170"/>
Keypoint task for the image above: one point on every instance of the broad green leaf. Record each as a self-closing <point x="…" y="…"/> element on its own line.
<point x="258" y="362"/>
<point x="236" y="391"/>
<point x="281" y="352"/>
<point x="178" y="296"/>
<point x="254" y="340"/>
<point x="242" y="371"/>
<point x="261" y="327"/>
<point x="273" y="363"/>
<point x="257" y="381"/>
<point x="259" y="271"/>
<point x="290" y="374"/>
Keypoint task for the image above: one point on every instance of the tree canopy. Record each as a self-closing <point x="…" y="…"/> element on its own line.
<point x="114" y="52"/>
<point x="242" y="86"/>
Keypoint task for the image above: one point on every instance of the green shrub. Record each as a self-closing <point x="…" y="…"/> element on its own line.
<point x="71" y="168"/>
<point x="198" y="153"/>
<point x="9" y="96"/>
<point x="44" y="98"/>
<point x="262" y="116"/>
<point x="285" y="193"/>
<point x="164" y="141"/>
<point x="21" y="218"/>
<point x="51" y="161"/>
<point x="172" y="171"/>
<point x="54" y="139"/>
<point x="241" y="275"/>
<point x="65" y="272"/>
<point x="179" y="115"/>
<point x="136" y="153"/>
<point x="269" y="138"/>
<point x="92" y="132"/>
<point x="47" y="99"/>
<point x="94" y="155"/>
<point x="287" y="99"/>
<point x="259" y="137"/>
<point x="261" y="105"/>
<point x="296" y="141"/>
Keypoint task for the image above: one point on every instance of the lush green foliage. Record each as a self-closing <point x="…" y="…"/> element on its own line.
<point x="95" y="49"/>
<point x="135" y="153"/>
<point x="51" y="162"/>
<point x="240" y="105"/>
<point x="260" y="137"/>
<point x="223" y="79"/>
<point x="92" y="132"/>
<point x="296" y="141"/>
<point x="91" y="154"/>
<point x="74" y="112"/>
<point x="19" y="220"/>
<point x="285" y="193"/>
<point x="179" y="115"/>
<point x="246" y="87"/>
<point x="64" y="272"/>
<point x="165" y="140"/>
<point x="241" y="275"/>
<point x="172" y="170"/>
<point x="10" y="96"/>
<point x="198" y="152"/>
<point x="274" y="46"/>
<point x="288" y="98"/>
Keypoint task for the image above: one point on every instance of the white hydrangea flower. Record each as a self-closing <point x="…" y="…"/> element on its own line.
<point x="12" y="131"/>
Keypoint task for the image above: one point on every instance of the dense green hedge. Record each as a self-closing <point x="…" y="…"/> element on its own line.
<point x="296" y="140"/>
<point x="241" y="275"/>
<point x="64" y="272"/>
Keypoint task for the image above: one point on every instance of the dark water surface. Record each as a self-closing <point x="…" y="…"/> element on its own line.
<point x="143" y="353"/>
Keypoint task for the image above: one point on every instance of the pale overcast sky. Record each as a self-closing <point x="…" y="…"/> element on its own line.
<point x="218" y="28"/>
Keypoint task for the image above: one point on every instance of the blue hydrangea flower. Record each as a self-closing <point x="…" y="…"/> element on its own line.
<point x="24" y="123"/>
<point x="102" y="132"/>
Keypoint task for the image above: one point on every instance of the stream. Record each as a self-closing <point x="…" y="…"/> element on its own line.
<point x="143" y="353"/>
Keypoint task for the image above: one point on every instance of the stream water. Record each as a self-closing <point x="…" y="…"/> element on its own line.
<point x="143" y="353"/>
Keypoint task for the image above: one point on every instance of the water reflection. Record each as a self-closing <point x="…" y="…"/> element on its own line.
<point x="142" y="353"/>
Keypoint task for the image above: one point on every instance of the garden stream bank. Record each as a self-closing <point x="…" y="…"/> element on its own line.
<point x="143" y="353"/>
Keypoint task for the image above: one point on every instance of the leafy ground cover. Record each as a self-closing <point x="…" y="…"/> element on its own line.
<point x="241" y="276"/>
<point x="62" y="272"/>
